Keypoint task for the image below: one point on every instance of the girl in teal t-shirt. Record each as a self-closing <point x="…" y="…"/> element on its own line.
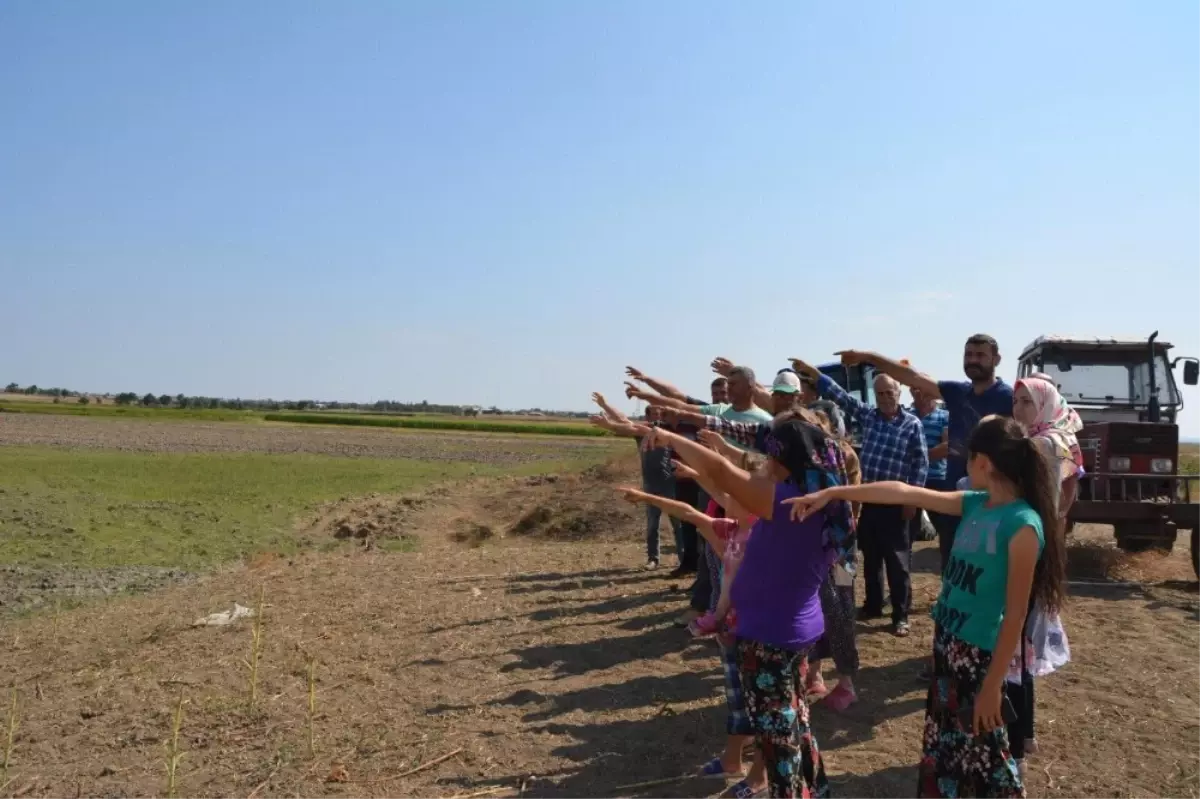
<point x="1006" y="553"/>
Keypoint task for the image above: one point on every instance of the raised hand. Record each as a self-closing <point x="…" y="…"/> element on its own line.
<point x="710" y="439"/>
<point x="682" y="471"/>
<point x="722" y="366"/>
<point x="632" y="391"/>
<point x="853" y="357"/>
<point x="805" y="369"/>
<point x="807" y="505"/>
<point x="636" y="374"/>
<point x="598" y="398"/>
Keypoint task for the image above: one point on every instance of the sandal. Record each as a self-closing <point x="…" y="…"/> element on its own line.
<point x="715" y="768"/>
<point x="742" y="790"/>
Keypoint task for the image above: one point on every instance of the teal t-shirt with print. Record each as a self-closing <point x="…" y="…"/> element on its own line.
<point x="975" y="580"/>
<point x="754" y="415"/>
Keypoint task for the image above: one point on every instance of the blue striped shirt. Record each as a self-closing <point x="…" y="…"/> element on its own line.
<point x="892" y="449"/>
<point x="935" y="425"/>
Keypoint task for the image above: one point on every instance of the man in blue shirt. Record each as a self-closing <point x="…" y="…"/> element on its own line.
<point x="981" y="394"/>
<point x="893" y="448"/>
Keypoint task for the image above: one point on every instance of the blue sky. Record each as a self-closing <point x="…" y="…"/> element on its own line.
<point x="507" y="202"/>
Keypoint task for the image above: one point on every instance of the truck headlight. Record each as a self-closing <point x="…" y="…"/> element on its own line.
<point x="1161" y="465"/>
<point x="1118" y="464"/>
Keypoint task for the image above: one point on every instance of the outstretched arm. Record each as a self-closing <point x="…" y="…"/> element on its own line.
<point x="609" y="411"/>
<point x="754" y="494"/>
<point x="627" y="429"/>
<point x="633" y="392"/>
<point x="673" y="507"/>
<point x="886" y="493"/>
<point x="905" y="375"/>
<point x="663" y="388"/>
<point x="828" y="387"/>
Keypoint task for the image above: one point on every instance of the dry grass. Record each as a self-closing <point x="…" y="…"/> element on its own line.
<point x="536" y="663"/>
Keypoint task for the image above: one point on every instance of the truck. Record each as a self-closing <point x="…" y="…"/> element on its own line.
<point x="1125" y="392"/>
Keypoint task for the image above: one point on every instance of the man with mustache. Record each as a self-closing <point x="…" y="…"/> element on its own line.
<point x="967" y="401"/>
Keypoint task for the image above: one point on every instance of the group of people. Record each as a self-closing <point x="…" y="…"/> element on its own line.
<point x="771" y="505"/>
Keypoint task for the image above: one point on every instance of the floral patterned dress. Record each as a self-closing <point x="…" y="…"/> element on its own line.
<point x="954" y="761"/>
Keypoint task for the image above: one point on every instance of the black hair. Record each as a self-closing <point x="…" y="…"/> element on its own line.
<point x="719" y="381"/>
<point x="1018" y="459"/>
<point x="984" y="340"/>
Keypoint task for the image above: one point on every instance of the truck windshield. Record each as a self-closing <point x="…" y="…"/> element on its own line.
<point x="1097" y="380"/>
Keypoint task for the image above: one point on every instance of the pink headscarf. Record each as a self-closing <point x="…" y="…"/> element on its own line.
<point x="1056" y="421"/>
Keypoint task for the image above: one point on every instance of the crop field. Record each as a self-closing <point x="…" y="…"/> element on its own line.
<point x="508" y="423"/>
<point x="458" y="614"/>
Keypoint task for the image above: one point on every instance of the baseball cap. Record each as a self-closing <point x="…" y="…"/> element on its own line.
<point x="786" y="382"/>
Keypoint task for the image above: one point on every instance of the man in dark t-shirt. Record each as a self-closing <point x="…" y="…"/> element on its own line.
<point x="981" y="394"/>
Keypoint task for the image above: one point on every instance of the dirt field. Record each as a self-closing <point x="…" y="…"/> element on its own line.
<point x="521" y="640"/>
<point x="280" y="439"/>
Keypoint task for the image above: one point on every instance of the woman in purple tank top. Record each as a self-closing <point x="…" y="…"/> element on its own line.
<point x="776" y="589"/>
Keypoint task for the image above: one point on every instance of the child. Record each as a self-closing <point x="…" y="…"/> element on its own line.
<point x="1007" y="553"/>
<point x="727" y="536"/>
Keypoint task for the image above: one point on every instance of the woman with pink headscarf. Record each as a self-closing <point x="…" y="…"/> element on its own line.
<point x="1052" y="424"/>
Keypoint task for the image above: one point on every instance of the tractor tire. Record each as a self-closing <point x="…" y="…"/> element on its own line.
<point x="1196" y="551"/>
<point x="1145" y="536"/>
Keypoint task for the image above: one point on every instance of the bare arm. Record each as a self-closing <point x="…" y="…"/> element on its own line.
<point x="685" y="472"/>
<point x="1022" y="558"/>
<point x="886" y="493"/>
<point x="722" y="447"/>
<point x="905" y="375"/>
<point x="756" y="495"/>
<point x="609" y="411"/>
<point x="663" y="388"/>
<point x="626" y="429"/>
<point x="633" y="392"/>
<point x="673" y="507"/>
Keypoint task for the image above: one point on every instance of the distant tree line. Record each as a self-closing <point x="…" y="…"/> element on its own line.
<point x="214" y="403"/>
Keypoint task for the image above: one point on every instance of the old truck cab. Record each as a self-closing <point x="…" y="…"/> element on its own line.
<point x="1124" y="389"/>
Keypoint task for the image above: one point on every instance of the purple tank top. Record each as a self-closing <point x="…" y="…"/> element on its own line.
<point x="776" y="588"/>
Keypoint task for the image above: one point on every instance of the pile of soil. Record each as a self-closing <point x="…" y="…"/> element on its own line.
<point x="573" y="507"/>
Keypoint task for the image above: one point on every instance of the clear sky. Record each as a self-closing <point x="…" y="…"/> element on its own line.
<point x="505" y="203"/>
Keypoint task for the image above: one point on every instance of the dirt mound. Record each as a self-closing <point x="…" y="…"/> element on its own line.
<point x="566" y="507"/>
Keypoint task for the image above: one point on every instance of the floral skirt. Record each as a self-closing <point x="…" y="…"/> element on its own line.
<point x="773" y="682"/>
<point x="954" y="761"/>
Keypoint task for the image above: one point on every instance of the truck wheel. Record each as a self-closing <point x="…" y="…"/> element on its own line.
<point x="1196" y="550"/>
<point x="1144" y="536"/>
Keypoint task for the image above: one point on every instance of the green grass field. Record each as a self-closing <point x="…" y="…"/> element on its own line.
<point x="439" y="423"/>
<point x="101" y="508"/>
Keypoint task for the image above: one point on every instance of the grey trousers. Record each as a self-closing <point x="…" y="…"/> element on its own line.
<point x="837" y="606"/>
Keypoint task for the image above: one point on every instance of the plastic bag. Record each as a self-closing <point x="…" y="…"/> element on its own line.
<point x="1051" y="651"/>
<point x="925" y="529"/>
<point x="1046" y="647"/>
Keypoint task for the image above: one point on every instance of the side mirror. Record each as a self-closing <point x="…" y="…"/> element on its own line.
<point x="1191" y="373"/>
